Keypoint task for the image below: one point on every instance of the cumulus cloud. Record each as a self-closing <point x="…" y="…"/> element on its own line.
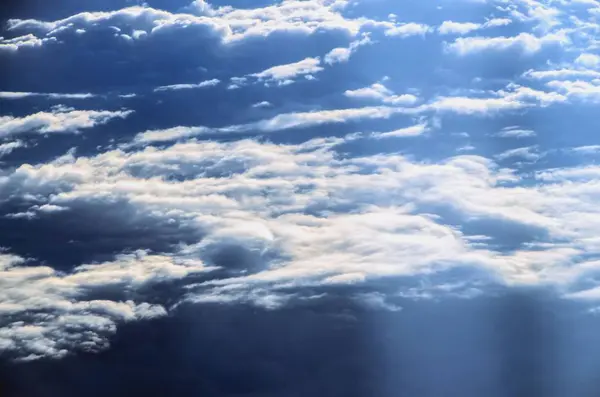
<point x="229" y="24"/>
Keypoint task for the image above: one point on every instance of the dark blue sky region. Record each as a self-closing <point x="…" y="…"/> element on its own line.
<point x="299" y="197"/>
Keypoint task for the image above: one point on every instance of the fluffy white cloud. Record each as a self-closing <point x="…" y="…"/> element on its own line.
<point x="588" y="60"/>
<point x="228" y="23"/>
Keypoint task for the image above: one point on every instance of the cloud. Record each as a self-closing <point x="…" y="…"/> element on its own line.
<point x="23" y="42"/>
<point x="588" y="60"/>
<point x="51" y="95"/>
<point x="175" y="87"/>
<point x="282" y="73"/>
<point x="414" y="130"/>
<point x="526" y="153"/>
<point x="342" y="54"/>
<point x="229" y="24"/>
<point x="270" y="215"/>
<point x="408" y="30"/>
<point x="587" y="149"/>
<point x="463" y="28"/>
<point x="59" y="120"/>
<point x="515" y="132"/>
<point x="280" y="122"/>
<point x="378" y="91"/>
<point x="191" y="214"/>
<point x="512" y="98"/>
<point x="8" y="147"/>
<point x="262" y="104"/>
<point x="524" y="42"/>
<point x="578" y="89"/>
<point x="46" y="313"/>
<point x="561" y="74"/>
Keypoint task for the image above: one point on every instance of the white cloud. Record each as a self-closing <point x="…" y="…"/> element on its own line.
<point x="27" y="41"/>
<point x="342" y="54"/>
<point x="579" y="89"/>
<point x="281" y="122"/>
<point x="378" y="91"/>
<point x="290" y="71"/>
<point x="8" y="147"/>
<point x="463" y="28"/>
<point x="526" y="153"/>
<point x="51" y="314"/>
<point x="231" y="25"/>
<point x="588" y="60"/>
<point x="414" y="130"/>
<point x="51" y="95"/>
<point x="60" y="119"/>
<point x="587" y="149"/>
<point x="561" y="74"/>
<point x="263" y="104"/>
<point x="408" y="30"/>
<point x="525" y="42"/>
<point x="451" y="27"/>
<point x="515" y="132"/>
<point x="175" y="87"/>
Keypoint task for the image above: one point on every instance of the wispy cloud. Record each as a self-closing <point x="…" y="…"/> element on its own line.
<point x="175" y="87"/>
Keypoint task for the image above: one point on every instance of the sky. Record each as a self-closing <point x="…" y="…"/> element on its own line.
<point x="390" y="198"/>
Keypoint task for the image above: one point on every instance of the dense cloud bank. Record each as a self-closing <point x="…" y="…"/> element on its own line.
<point x="299" y="197"/>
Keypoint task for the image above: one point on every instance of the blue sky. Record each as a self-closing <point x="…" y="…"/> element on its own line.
<point x="402" y="159"/>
